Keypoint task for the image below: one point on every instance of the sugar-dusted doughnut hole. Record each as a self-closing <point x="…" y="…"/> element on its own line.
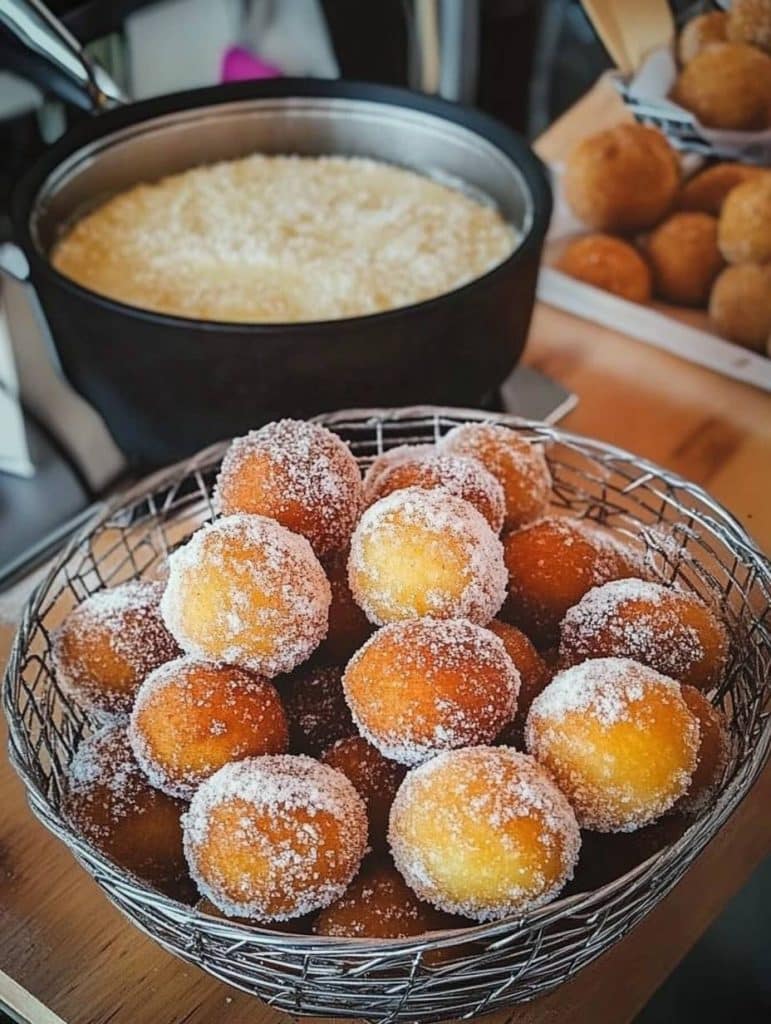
<point x="461" y="475"/>
<point x="483" y="832"/>
<point x="619" y="740"/>
<point x="109" y="643"/>
<point x="349" y="627"/>
<point x="421" y="553"/>
<point x="534" y="674"/>
<point x="246" y="591"/>
<point x="551" y="565"/>
<point x="375" y="777"/>
<point x="668" y="629"/>
<point x="274" y="837"/>
<point x="298" y="473"/>
<point x="112" y="805"/>
<point x="426" y="685"/>
<point x="519" y="466"/>
<point x="192" y="717"/>
<point x="712" y="756"/>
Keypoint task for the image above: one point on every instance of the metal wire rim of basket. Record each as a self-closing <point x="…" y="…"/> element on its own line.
<point x="683" y="535"/>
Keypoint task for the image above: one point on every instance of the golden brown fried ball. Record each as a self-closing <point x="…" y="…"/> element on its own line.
<point x="622" y="179"/>
<point x="714" y="748"/>
<point x="608" y="263"/>
<point x="298" y="473"/>
<point x="706" y="191"/>
<point x="111" y="803"/>
<point x="109" y="643"/>
<point x="684" y="257"/>
<point x="552" y="564"/>
<point x="744" y="228"/>
<point x="426" y="685"/>
<point x="749" y="21"/>
<point x="379" y="904"/>
<point x="483" y="832"/>
<point x="192" y="717"/>
<point x="375" y="777"/>
<point x="534" y="675"/>
<point x="728" y="85"/>
<point x="665" y="628"/>
<point x="349" y="627"/>
<point x="701" y="32"/>
<point x="274" y="837"/>
<point x="619" y="740"/>
<point x="740" y="305"/>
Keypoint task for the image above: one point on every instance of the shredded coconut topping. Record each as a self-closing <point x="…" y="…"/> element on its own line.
<point x="246" y="591"/>
<point x="302" y="475"/>
<point x="440" y="521"/>
<point x="282" y="803"/>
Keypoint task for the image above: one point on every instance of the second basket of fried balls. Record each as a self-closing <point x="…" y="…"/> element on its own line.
<point x="702" y="243"/>
<point x="383" y="752"/>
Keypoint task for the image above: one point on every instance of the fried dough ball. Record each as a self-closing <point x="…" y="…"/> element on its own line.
<point x="622" y="179"/>
<point x="740" y="305"/>
<point x="274" y="837"/>
<point x="610" y="264"/>
<point x="419" y="552"/>
<point x="728" y="85"/>
<point x="701" y="32"/>
<point x="191" y="717"/>
<point x="712" y="757"/>
<point x="669" y="630"/>
<point x="349" y="627"/>
<point x="109" y="643"/>
<point x="534" y="675"/>
<point x="375" y="777"/>
<point x="316" y="709"/>
<point x="294" y="926"/>
<point x="111" y="804"/>
<point x="378" y="904"/>
<point x="744" y="228"/>
<point x="419" y="687"/>
<point x="619" y="740"/>
<point x="483" y="832"/>
<point x="300" y="474"/>
<point x="386" y="461"/>
<point x="684" y="258"/>
<point x="551" y="565"/>
<point x="749" y="21"/>
<point x="519" y="466"/>
<point x="246" y="591"/>
<point x="462" y="476"/>
<point x="706" y="191"/>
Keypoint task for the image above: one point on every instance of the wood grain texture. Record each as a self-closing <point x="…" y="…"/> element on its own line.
<point x="62" y="941"/>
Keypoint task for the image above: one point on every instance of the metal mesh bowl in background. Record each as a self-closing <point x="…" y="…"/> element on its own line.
<point x="684" y="536"/>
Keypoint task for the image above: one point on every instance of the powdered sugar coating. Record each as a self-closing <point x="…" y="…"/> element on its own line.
<point x="462" y="476"/>
<point x="644" y="621"/>
<point x="401" y="550"/>
<point x="473" y="799"/>
<point x="516" y="462"/>
<point x="109" y="643"/>
<point x="216" y="714"/>
<point x="299" y="837"/>
<point x="391" y="457"/>
<point x="246" y="591"/>
<point x="298" y="473"/>
<point x="422" y="686"/>
<point x="619" y="699"/>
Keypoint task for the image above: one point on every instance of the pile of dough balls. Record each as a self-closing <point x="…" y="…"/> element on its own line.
<point x="340" y="714"/>
<point x="701" y="243"/>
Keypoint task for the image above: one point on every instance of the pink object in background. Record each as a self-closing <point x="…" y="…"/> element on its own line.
<point x="240" y="65"/>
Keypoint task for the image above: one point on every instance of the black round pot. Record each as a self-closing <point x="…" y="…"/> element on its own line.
<point x="166" y="386"/>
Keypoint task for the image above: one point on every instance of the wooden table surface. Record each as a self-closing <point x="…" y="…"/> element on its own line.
<point x="63" y="944"/>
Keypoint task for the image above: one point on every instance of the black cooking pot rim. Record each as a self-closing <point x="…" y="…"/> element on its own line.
<point x="509" y="142"/>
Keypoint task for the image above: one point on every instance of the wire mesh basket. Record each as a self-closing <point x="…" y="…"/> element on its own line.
<point x="683" y="535"/>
